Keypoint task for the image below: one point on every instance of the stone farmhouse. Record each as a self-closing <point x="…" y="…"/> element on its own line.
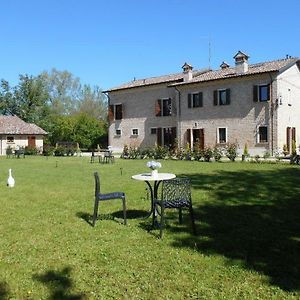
<point x="254" y="104"/>
<point x="15" y="133"/>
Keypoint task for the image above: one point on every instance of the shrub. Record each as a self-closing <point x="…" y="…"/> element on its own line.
<point x="207" y="153"/>
<point x="48" y="150"/>
<point x="217" y="153"/>
<point x="59" y="151"/>
<point x="30" y="150"/>
<point x="231" y="151"/>
<point x="125" y="153"/>
<point x="267" y="155"/>
<point x="134" y="152"/>
<point x="160" y="152"/>
<point x="246" y="151"/>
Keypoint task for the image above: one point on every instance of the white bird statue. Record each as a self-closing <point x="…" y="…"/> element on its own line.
<point x="10" y="180"/>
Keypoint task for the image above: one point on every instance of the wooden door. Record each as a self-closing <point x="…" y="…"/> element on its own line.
<point x="31" y="142"/>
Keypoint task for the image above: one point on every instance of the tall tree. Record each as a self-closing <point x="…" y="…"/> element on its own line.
<point x="64" y="90"/>
<point x="93" y="102"/>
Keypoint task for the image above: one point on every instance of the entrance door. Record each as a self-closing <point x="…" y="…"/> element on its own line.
<point x="198" y="137"/>
<point x="31" y="142"/>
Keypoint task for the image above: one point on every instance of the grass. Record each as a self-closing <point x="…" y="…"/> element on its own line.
<point x="248" y="223"/>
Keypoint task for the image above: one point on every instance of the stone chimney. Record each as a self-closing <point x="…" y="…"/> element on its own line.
<point x="241" y="62"/>
<point x="187" y="72"/>
<point x="224" y="65"/>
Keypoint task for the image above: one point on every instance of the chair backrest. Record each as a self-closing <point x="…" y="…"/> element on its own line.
<point x="97" y="183"/>
<point x="177" y="189"/>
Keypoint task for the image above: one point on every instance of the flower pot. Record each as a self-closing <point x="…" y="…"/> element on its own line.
<point x="154" y="173"/>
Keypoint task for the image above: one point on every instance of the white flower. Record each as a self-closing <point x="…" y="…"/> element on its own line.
<point x="153" y="165"/>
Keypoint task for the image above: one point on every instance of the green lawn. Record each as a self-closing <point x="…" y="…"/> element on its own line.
<point x="248" y="220"/>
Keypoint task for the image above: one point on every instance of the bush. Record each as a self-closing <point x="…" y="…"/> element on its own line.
<point x="30" y="150"/>
<point x="207" y="153"/>
<point x="217" y="153"/>
<point x="48" y="150"/>
<point x="231" y="151"/>
<point x="59" y="151"/>
<point x="160" y="152"/>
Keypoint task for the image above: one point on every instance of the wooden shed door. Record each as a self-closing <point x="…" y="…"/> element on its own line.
<point x="31" y="142"/>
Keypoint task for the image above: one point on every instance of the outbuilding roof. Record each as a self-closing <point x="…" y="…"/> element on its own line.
<point x="14" y="125"/>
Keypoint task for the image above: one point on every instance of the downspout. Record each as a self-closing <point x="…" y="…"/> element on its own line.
<point x="108" y="121"/>
<point x="179" y="117"/>
<point x="272" y="114"/>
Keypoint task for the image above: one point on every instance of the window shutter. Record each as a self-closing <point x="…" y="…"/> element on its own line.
<point x="158" y="108"/>
<point x="269" y="91"/>
<point x="294" y="134"/>
<point x="189" y="100"/>
<point x="215" y="97"/>
<point x="188" y="136"/>
<point x="159" y="136"/>
<point x="174" y="136"/>
<point x="288" y="138"/>
<point x="255" y="93"/>
<point x="111" y="113"/>
<point x="227" y="96"/>
<point x="201" y="99"/>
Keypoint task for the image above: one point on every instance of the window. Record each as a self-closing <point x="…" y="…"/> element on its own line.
<point x="119" y="112"/>
<point x="118" y="132"/>
<point x="10" y="139"/>
<point x="222" y="97"/>
<point x="261" y="93"/>
<point x="195" y="100"/>
<point x="263" y="134"/>
<point x="135" y="131"/>
<point x="222" y="135"/>
<point x="153" y="130"/>
<point x="163" y="107"/>
<point x="115" y="112"/>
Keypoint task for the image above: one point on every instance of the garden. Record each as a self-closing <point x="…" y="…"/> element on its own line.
<point x="247" y="219"/>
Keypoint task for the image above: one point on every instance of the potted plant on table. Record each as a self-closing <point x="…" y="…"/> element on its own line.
<point x="154" y="165"/>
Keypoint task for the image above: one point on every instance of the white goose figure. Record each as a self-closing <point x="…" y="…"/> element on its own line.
<point x="10" y="180"/>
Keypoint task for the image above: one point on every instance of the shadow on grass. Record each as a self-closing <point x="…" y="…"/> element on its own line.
<point x="4" y="291"/>
<point x="59" y="284"/>
<point x="253" y="218"/>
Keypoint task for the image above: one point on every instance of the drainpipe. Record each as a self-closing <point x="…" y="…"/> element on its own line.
<point x="108" y="103"/>
<point x="272" y="113"/>
<point x="179" y="117"/>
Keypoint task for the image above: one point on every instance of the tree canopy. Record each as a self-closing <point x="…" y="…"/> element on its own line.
<point x="60" y="104"/>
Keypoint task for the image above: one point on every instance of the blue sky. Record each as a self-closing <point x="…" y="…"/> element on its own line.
<point x="107" y="43"/>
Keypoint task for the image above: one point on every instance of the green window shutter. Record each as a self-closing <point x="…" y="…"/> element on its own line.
<point x="189" y="100"/>
<point x="201" y="99"/>
<point x="255" y="93"/>
<point x="215" y="97"/>
<point x="228" y="96"/>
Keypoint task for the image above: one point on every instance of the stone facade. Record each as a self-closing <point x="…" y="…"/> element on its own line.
<point x="244" y="119"/>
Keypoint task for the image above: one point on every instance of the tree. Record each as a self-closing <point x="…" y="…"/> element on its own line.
<point x="93" y="102"/>
<point x="64" y="90"/>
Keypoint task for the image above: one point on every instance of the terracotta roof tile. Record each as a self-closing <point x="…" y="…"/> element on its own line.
<point x="14" y="125"/>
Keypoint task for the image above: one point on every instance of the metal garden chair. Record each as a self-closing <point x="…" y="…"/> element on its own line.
<point x="176" y="193"/>
<point x="104" y="197"/>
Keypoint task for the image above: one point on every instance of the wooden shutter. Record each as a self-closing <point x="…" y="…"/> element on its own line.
<point x="188" y="136"/>
<point x="255" y="93"/>
<point x="158" y="108"/>
<point x="159" y="135"/>
<point x="294" y="134"/>
<point x="111" y="113"/>
<point x="174" y="136"/>
<point x="288" y="138"/>
<point x="201" y="138"/>
<point x="215" y="97"/>
<point x="227" y="96"/>
<point x="200" y="99"/>
<point x="269" y="91"/>
<point x="189" y="100"/>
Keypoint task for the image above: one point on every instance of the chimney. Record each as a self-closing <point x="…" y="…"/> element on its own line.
<point x="241" y="62"/>
<point x="187" y="72"/>
<point x="224" y="65"/>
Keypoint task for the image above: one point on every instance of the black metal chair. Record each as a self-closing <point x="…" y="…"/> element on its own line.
<point x="104" y="197"/>
<point x="176" y="193"/>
